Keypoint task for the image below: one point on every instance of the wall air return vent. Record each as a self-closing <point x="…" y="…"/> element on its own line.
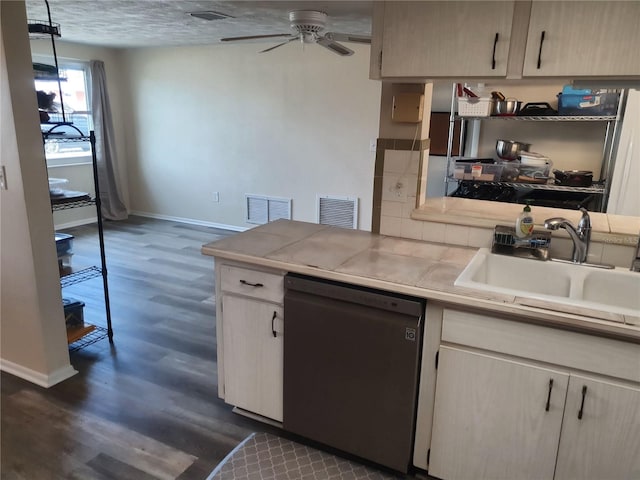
<point x="337" y="211"/>
<point x="261" y="209"/>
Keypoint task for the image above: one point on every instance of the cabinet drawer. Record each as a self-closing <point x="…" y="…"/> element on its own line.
<point x="252" y="283"/>
<point x="546" y="344"/>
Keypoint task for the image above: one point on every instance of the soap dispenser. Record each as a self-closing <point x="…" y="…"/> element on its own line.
<point x="524" y="223"/>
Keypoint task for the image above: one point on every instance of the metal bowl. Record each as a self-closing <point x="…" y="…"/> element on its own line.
<point x="508" y="149"/>
<point x="506" y="107"/>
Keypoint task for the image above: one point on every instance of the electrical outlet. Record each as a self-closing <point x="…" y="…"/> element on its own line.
<point x="373" y="145"/>
<point x="399" y="189"/>
<point x="216" y="196"/>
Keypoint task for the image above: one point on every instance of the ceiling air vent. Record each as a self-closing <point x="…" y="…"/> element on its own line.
<point x="338" y="211"/>
<point x="209" y="15"/>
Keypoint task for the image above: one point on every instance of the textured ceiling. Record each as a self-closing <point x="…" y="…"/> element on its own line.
<point x="143" y="23"/>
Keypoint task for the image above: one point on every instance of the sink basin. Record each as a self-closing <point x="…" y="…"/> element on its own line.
<point x="513" y="275"/>
<point x="615" y="291"/>
<point x="619" y="288"/>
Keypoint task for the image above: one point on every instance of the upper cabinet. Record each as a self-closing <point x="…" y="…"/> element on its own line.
<point x="441" y="39"/>
<point x="483" y="39"/>
<point x="582" y="39"/>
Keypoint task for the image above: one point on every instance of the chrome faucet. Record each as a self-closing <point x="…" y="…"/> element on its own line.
<point x="580" y="235"/>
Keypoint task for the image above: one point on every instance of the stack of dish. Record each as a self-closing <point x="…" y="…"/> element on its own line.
<point x="534" y="168"/>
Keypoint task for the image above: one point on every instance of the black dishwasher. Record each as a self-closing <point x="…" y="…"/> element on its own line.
<point x="351" y="365"/>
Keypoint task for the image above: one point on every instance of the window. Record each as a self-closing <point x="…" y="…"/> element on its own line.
<point x="77" y="110"/>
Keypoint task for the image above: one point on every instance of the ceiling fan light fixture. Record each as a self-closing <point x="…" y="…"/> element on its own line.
<point x="209" y="15"/>
<point x="307" y="21"/>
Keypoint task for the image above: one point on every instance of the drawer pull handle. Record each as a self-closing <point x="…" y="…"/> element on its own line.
<point x="584" y="394"/>
<point x="549" y="395"/>
<point x="493" y="56"/>
<point x="273" y="324"/>
<point x="244" y="282"/>
<point x="540" y="50"/>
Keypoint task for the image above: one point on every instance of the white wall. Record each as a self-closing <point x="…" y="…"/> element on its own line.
<point x="34" y="343"/>
<point x="288" y="123"/>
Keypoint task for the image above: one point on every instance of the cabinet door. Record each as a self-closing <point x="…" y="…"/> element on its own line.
<point x="583" y="39"/>
<point x="605" y="442"/>
<point x="252" y="355"/>
<point x="491" y="418"/>
<point x="446" y="39"/>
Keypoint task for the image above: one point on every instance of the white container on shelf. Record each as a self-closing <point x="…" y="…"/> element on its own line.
<point x="55" y="185"/>
<point x="534" y="167"/>
<point x="474" y="107"/>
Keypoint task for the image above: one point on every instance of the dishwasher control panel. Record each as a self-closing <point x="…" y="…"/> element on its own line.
<point x="355" y="294"/>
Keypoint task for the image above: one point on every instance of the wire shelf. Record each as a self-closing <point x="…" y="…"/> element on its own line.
<point x="63" y="138"/>
<point x="97" y="334"/>
<point x="75" y="204"/>
<point x="80" y="276"/>
<point x="43" y="29"/>
<point x="38" y="75"/>
<point x="546" y="118"/>
<point x="538" y="186"/>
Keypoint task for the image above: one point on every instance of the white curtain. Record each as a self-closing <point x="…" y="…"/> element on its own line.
<point x="112" y="206"/>
<point x="624" y="198"/>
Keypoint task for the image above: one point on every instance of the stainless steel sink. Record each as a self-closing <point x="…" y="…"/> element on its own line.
<point x="616" y="290"/>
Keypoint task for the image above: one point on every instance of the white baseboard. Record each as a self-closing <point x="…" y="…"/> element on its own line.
<point x="39" y="378"/>
<point x="76" y="223"/>
<point x="190" y="221"/>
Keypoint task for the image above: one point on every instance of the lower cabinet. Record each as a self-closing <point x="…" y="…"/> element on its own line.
<point x="253" y="353"/>
<point x="250" y="339"/>
<point x="501" y="419"/>
<point x="600" y="431"/>
<point x="495" y="419"/>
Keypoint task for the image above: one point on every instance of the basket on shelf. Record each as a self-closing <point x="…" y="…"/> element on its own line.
<point x="474" y="107"/>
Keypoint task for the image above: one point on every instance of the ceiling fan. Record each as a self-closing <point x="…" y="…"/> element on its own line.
<point x="307" y="26"/>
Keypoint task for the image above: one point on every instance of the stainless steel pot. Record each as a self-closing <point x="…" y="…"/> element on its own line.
<point x="508" y="149"/>
<point x="506" y="107"/>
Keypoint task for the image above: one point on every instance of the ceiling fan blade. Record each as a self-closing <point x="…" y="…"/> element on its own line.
<point x="335" y="47"/>
<point x="279" y="45"/>
<point x="348" y="37"/>
<point x="254" y="37"/>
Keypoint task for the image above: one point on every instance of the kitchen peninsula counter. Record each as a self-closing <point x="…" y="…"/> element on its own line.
<point x="411" y="267"/>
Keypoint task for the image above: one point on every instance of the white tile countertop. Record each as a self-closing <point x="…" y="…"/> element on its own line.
<point x="412" y="267"/>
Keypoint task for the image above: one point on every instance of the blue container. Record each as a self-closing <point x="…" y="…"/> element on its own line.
<point x="73" y="312"/>
<point x="64" y="244"/>
<point x="587" y="102"/>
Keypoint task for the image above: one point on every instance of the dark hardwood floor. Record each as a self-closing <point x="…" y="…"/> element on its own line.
<point x="145" y="407"/>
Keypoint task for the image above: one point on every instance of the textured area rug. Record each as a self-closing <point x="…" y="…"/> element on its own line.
<point x="266" y="457"/>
